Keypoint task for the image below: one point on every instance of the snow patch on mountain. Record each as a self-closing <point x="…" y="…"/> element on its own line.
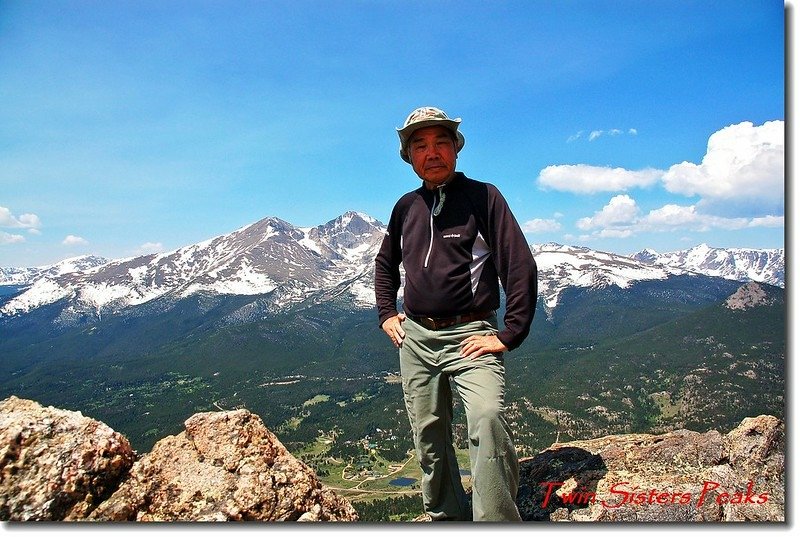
<point x="43" y="291"/>
<point x="363" y="294"/>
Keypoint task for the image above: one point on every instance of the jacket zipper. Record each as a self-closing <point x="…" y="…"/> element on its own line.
<point x="434" y="211"/>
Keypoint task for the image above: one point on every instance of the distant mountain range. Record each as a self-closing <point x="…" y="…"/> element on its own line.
<point x="270" y="257"/>
<point x="289" y="265"/>
<point x="740" y="264"/>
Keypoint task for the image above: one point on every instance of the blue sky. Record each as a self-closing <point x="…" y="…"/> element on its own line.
<point x="130" y="127"/>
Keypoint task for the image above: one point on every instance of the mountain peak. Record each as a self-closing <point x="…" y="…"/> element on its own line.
<point x="351" y="221"/>
<point x="271" y="222"/>
<point x="648" y="256"/>
<point x="361" y="216"/>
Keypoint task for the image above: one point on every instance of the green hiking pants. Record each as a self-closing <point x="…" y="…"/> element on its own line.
<point x="428" y="360"/>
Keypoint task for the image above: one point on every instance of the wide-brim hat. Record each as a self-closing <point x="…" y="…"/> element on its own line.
<point x="427" y="116"/>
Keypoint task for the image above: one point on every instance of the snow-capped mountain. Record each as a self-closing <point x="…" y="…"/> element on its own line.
<point x="742" y="264"/>
<point x="281" y="265"/>
<point x="562" y="266"/>
<point x="25" y="276"/>
<point x="268" y="257"/>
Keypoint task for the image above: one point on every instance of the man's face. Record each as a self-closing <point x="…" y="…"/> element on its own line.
<point x="433" y="155"/>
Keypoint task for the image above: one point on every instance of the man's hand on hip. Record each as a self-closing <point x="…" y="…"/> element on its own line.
<point x="475" y="346"/>
<point x="394" y="329"/>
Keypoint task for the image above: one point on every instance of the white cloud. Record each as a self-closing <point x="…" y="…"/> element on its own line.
<point x="742" y="162"/>
<point x="585" y="179"/>
<point x="72" y="240"/>
<point x="150" y="248"/>
<point x="613" y="234"/>
<point x="7" y="219"/>
<point x="739" y="183"/>
<point x="671" y="217"/>
<point x="622" y="218"/>
<point x="575" y="136"/>
<point x="767" y="221"/>
<point x="540" y="225"/>
<point x="597" y="133"/>
<point x="30" y="221"/>
<point x="8" y="238"/>
<point x="620" y="210"/>
<point x="25" y="221"/>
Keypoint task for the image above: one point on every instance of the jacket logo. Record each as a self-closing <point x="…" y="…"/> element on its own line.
<point x="452" y="236"/>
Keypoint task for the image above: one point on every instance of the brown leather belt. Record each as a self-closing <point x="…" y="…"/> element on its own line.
<point x="437" y="323"/>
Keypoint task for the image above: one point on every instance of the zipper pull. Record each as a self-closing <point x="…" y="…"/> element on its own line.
<point x="439" y="205"/>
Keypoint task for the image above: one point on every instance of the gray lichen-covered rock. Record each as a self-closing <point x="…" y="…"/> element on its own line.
<point x="224" y="466"/>
<point x="681" y="476"/>
<point x="56" y="464"/>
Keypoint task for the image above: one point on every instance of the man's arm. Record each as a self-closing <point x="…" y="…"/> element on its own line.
<point x="387" y="280"/>
<point x="516" y="269"/>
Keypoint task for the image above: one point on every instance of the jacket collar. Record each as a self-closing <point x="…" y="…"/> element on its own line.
<point x="456" y="179"/>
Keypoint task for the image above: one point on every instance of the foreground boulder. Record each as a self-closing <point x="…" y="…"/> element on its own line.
<point x="681" y="476"/>
<point x="60" y="465"/>
<point x="56" y="464"/>
<point x="224" y="466"/>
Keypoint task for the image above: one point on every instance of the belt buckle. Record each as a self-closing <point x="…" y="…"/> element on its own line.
<point x="430" y="321"/>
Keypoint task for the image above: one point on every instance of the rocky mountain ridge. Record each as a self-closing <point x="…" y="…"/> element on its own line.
<point x="742" y="264"/>
<point x="27" y="275"/>
<point x="270" y="257"/>
<point x="285" y="265"/>
<point x="561" y="267"/>
<point x="60" y="465"/>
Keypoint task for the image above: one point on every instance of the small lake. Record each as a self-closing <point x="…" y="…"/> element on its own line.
<point x="402" y="482"/>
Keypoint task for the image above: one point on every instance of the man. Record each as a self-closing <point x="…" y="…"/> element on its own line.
<point x="455" y="237"/>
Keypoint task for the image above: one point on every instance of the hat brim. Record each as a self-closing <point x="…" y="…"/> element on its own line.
<point x="449" y="124"/>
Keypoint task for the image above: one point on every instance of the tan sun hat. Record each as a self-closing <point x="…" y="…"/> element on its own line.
<point x="427" y="116"/>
